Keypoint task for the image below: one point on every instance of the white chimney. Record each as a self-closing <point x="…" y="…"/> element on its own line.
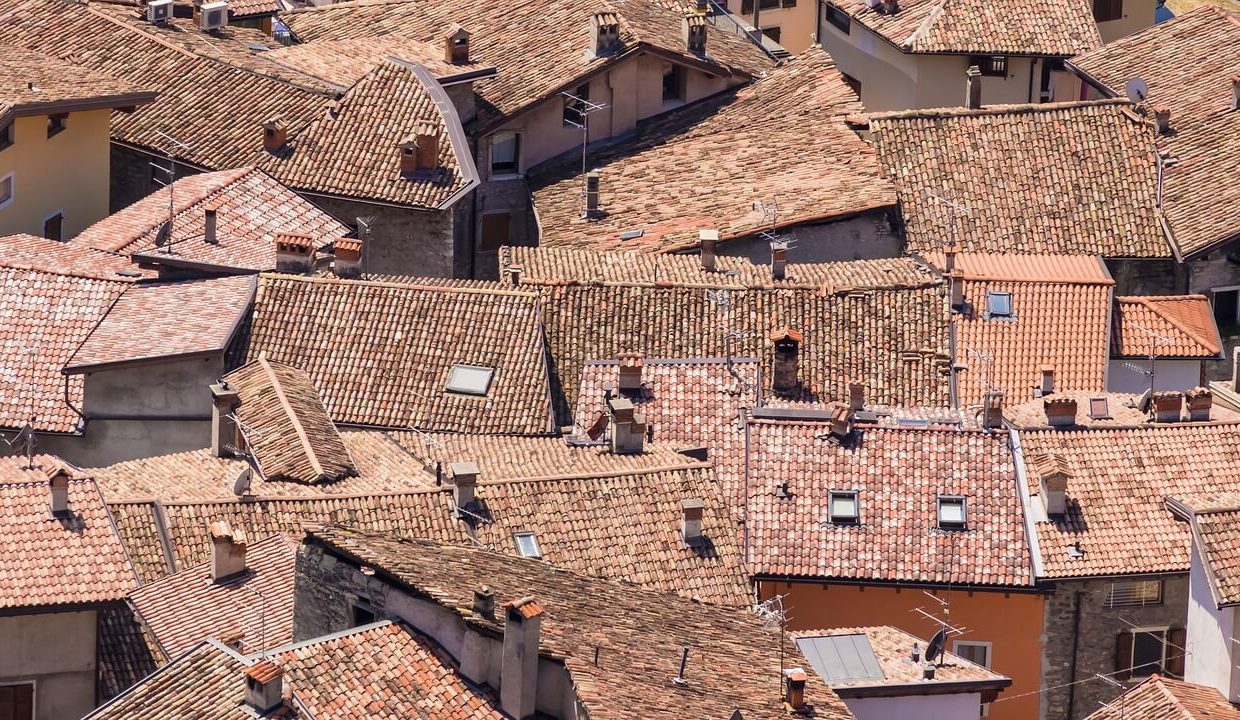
<point x="227" y="550"/>
<point x="58" y="490"/>
<point x="1054" y="493"/>
<point x="628" y="427"/>
<point x="1047" y="384"/>
<point x="630" y="373"/>
<point x="518" y="678"/>
<point x="464" y="482"/>
<point x="223" y="429"/>
<point x="709" y="240"/>
<point x="264" y="686"/>
<point x="691" y="512"/>
<point x="973" y="83"/>
<point x="1200" y="400"/>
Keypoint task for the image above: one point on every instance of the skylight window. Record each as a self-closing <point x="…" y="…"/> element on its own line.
<point x="951" y="512"/>
<point x="999" y="304"/>
<point x="845" y="507"/>
<point x="1099" y="409"/>
<point x="470" y="379"/>
<point x="527" y="545"/>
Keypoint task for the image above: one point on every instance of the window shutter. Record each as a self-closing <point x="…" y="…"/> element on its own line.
<point x="1123" y="655"/>
<point x="1175" y="656"/>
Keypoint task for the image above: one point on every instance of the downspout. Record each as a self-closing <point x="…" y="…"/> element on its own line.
<point x="69" y="402"/>
<point x="1076" y="635"/>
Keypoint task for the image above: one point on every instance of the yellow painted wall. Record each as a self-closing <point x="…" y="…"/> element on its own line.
<point x="1011" y="622"/>
<point x="66" y="172"/>
<point x="797" y="26"/>
<point x="1138" y="15"/>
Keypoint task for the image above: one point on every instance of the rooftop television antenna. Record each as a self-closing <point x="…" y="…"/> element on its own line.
<point x="1155" y="341"/>
<point x="163" y="237"/>
<point x="583" y="109"/>
<point x="955" y="210"/>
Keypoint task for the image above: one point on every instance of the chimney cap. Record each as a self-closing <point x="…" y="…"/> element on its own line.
<point x="294" y="241"/>
<point x="787" y="332"/>
<point x="526" y="608"/>
<point x="629" y="359"/>
<point x="796" y="675"/>
<point x="275" y="123"/>
<point x="464" y="469"/>
<point x="264" y="671"/>
<point x="620" y="404"/>
<point x="692" y="504"/>
<point x="708" y="234"/>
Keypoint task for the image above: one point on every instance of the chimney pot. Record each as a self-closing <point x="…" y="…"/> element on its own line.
<point x="1054" y="491"/>
<point x="973" y="83"/>
<point x="348" y="262"/>
<point x="592" y="194"/>
<point x="1199" y="400"/>
<point x="784" y="368"/>
<point x="694" y="28"/>
<point x="209" y="228"/>
<point x="630" y="373"/>
<point x="518" y="680"/>
<point x="223" y="429"/>
<point x="1235" y="92"/>
<point x="58" y="490"/>
<point x="691" y="511"/>
<point x="420" y="152"/>
<point x="1167" y="406"/>
<point x="1047" y="386"/>
<point x="794" y="687"/>
<point x="927" y="671"/>
<point x="456" y="46"/>
<point x="1060" y="411"/>
<point x="464" y="482"/>
<point x="1162" y="119"/>
<point x="484" y="602"/>
<point x="264" y="686"/>
<point x="856" y="396"/>
<point x="294" y="253"/>
<point x="709" y="240"/>
<point x="275" y="133"/>
<point x="227" y="550"/>
<point x="992" y="409"/>
<point x="779" y="260"/>
<point x="605" y="33"/>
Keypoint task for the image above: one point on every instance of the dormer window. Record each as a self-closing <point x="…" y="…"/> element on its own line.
<point x="505" y="153"/>
<point x="951" y="512"/>
<point x="845" y="507"/>
<point x="470" y="380"/>
<point x="527" y="544"/>
<point x="999" y="305"/>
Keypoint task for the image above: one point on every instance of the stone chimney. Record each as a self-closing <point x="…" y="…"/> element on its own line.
<point x="628" y="427"/>
<point x="593" y="179"/>
<point x="1162" y="120"/>
<point x="58" y="491"/>
<point x="223" y="430"/>
<point x="794" y="688"/>
<point x="348" y="262"/>
<point x="691" y="512"/>
<point x="518" y="675"/>
<point x="456" y="46"/>
<point x="420" y="152"/>
<point x="841" y="420"/>
<point x="693" y="27"/>
<point x="973" y="83"/>
<point x="464" y="483"/>
<point x="604" y="33"/>
<point x="484" y="602"/>
<point x="1060" y="411"/>
<point x="1235" y="92"/>
<point x="992" y="409"/>
<point x="275" y="134"/>
<point x="784" y="371"/>
<point x="856" y="396"/>
<point x="264" y="686"/>
<point x="709" y="240"/>
<point x="294" y="253"/>
<point x="227" y="550"/>
<point x="779" y="259"/>
<point x="209" y="225"/>
<point x="630" y="373"/>
<point x="1047" y="383"/>
<point x="1199" y="401"/>
<point x="1167" y="406"/>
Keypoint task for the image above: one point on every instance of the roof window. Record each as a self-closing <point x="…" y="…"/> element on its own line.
<point x="1099" y="408"/>
<point x="470" y="379"/>
<point x="527" y="544"/>
<point x="845" y="507"/>
<point x="951" y="512"/>
<point x="999" y="305"/>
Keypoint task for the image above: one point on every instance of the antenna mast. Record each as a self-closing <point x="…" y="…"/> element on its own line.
<point x="583" y="109"/>
<point x="164" y="233"/>
<point x="955" y="209"/>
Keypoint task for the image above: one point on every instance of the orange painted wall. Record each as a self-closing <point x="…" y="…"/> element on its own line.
<point x="1012" y="623"/>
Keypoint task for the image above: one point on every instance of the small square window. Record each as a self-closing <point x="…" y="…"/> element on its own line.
<point x="470" y="379"/>
<point x="845" y="507"/>
<point x="952" y="512"/>
<point x="999" y="304"/>
<point x="990" y="65"/>
<point x="1099" y="408"/>
<point x="56" y="123"/>
<point x="527" y="545"/>
<point x="505" y="153"/>
<point x="674" y="84"/>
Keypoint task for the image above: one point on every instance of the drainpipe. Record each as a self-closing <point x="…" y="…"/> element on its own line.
<point x="1076" y="634"/>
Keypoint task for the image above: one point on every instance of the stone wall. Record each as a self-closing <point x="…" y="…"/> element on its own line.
<point x="1163" y="276"/>
<point x="131" y="176"/>
<point x="1095" y="646"/>
<point x="863" y="237"/>
<point x="402" y="241"/>
<point x="511" y="196"/>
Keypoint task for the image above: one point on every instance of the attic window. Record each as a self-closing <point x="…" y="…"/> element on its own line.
<point x="1099" y="409"/>
<point x="527" y="544"/>
<point x="990" y="65"/>
<point x="470" y="379"/>
<point x="845" y="507"/>
<point x="999" y="305"/>
<point x="952" y="512"/>
<point x="1134" y="592"/>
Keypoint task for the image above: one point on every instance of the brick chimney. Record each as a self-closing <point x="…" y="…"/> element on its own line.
<point x="841" y="420"/>
<point x="949" y="258"/>
<point x="294" y="253"/>
<point x="348" y="262"/>
<point x="856" y="396"/>
<point x="709" y="240"/>
<point x="630" y="373"/>
<point x="1046" y="384"/>
<point x="794" y="688"/>
<point x="604" y="33"/>
<point x="1235" y="92"/>
<point x="58" y="491"/>
<point x="419" y="153"/>
<point x="518" y="675"/>
<point x="593" y="179"/>
<point x="209" y="224"/>
<point x="628" y="427"/>
<point x="992" y="409"/>
<point x="275" y="134"/>
<point x="973" y="84"/>
<point x="464" y="483"/>
<point x="223" y="429"/>
<point x="691" y="512"/>
<point x="227" y="551"/>
<point x="456" y="46"/>
<point x="1162" y="119"/>
<point x="264" y="686"/>
<point x="779" y="259"/>
<point x="1199" y="401"/>
<point x="693" y="28"/>
<point x="1060" y="411"/>
<point x="784" y="368"/>
<point x="1167" y="406"/>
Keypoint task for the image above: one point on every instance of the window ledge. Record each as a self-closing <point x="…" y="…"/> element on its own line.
<point x="507" y="176"/>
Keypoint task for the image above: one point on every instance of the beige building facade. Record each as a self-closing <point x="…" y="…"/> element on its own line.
<point x="791" y="23"/>
<point x="48" y="664"/>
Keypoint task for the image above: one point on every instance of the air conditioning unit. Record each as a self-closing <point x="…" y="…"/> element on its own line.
<point x="213" y="15"/>
<point x="159" y="11"/>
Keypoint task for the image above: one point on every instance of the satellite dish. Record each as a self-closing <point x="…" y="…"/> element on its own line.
<point x="1136" y="89"/>
<point x="934" y="649"/>
<point x="1143" y="404"/>
<point x="241" y="486"/>
<point x="164" y="234"/>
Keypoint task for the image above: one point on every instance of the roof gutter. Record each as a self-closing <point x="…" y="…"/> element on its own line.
<point x="109" y="102"/>
<point x="914" y="688"/>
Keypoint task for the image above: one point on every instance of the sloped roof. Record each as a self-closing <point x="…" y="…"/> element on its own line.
<point x="899" y="474"/>
<point x="380" y="354"/>
<point x="251" y="209"/>
<point x="49" y="560"/>
<point x="347" y="60"/>
<point x="781" y="140"/>
<point x="1182" y="326"/>
<point x="1056" y="178"/>
<point x="127" y="652"/>
<point x="1215" y="521"/>
<point x="166" y="321"/>
<point x="1010" y="27"/>
<point x="641" y="634"/>
<point x="1120" y="477"/>
<point x="1123" y="410"/>
<point x="32" y="83"/>
<point x="1187" y="63"/>
<point x="1162" y="698"/>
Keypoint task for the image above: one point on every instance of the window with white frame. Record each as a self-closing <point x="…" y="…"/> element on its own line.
<point x="1141" y="652"/>
<point x="1134" y="592"/>
<point x="6" y="189"/>
<point x="505" y="153"/>
<point x="978" y="653"/>
<point x="951" y="512"/>
<point x="527" y="544"/>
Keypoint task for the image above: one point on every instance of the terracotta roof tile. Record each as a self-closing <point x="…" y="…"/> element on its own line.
<point x="640" y="637"/>
<point x="347" y="60"/>
<point x="1058" y="178"/>
<point x="1215" y="520"/>
<point x="782" y="139"/>
<point x="166" y="320"/>
<point x="127" y="650"/>
<point x="31" y="82"/>
<point x="381" y="354"/>
<point x="1161" y="698"/>
<point x="50" y="560"/>
<point x="1180" y="326"/>
<point x="1122" y="410"/>
<point x="893" y="648"/>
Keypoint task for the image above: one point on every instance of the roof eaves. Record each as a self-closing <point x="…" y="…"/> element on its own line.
<point x="291" y="414"/>
<point x="1181" y="511"/>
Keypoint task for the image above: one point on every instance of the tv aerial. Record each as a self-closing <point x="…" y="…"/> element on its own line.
<point x="1136" y="90"/>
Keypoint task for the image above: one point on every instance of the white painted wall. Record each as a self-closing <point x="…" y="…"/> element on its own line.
<point x="1177" y="375"/>
<point x="1211" y="636"/>
<point x="960" y="706"/>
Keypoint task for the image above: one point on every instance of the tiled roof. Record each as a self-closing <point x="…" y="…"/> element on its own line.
<point x="383" y="671"/>
<point x="249" y="8"/>
<point x="184" y="609"/>
<point x="345" y="61"/>
<point x="781" y="140"/>
<point x="899" y="475"/>
<point x="1187" y="63"/>
<point x="1020" y="27"/>
<point x="166" y="320"/>
<point x="1058" y="178"/>
<point x="381" y="354"/>
<point x="892" y="649"/>
<point x="198" y="475"/>
<point x="33" y="83"/>
<point x="895" y="341"/>
<point x="1215" y="520"/>
<point x="285" y="426"/>
<point x="539" y="47"/>
<point x="1060" y="307"/>
<point x="1162" y="698"/>
<point x="1182" y="326"/>
<point x="50" y="560"/>
<point x="127" y="651"/>
<point x="251" y="209"/>
<point x="567" y="266"/>
<point x="53" y="294"/>
<point x="639" y="637"/>
<point x="1119" y="478"/>
<point x="1122" y="411"/>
